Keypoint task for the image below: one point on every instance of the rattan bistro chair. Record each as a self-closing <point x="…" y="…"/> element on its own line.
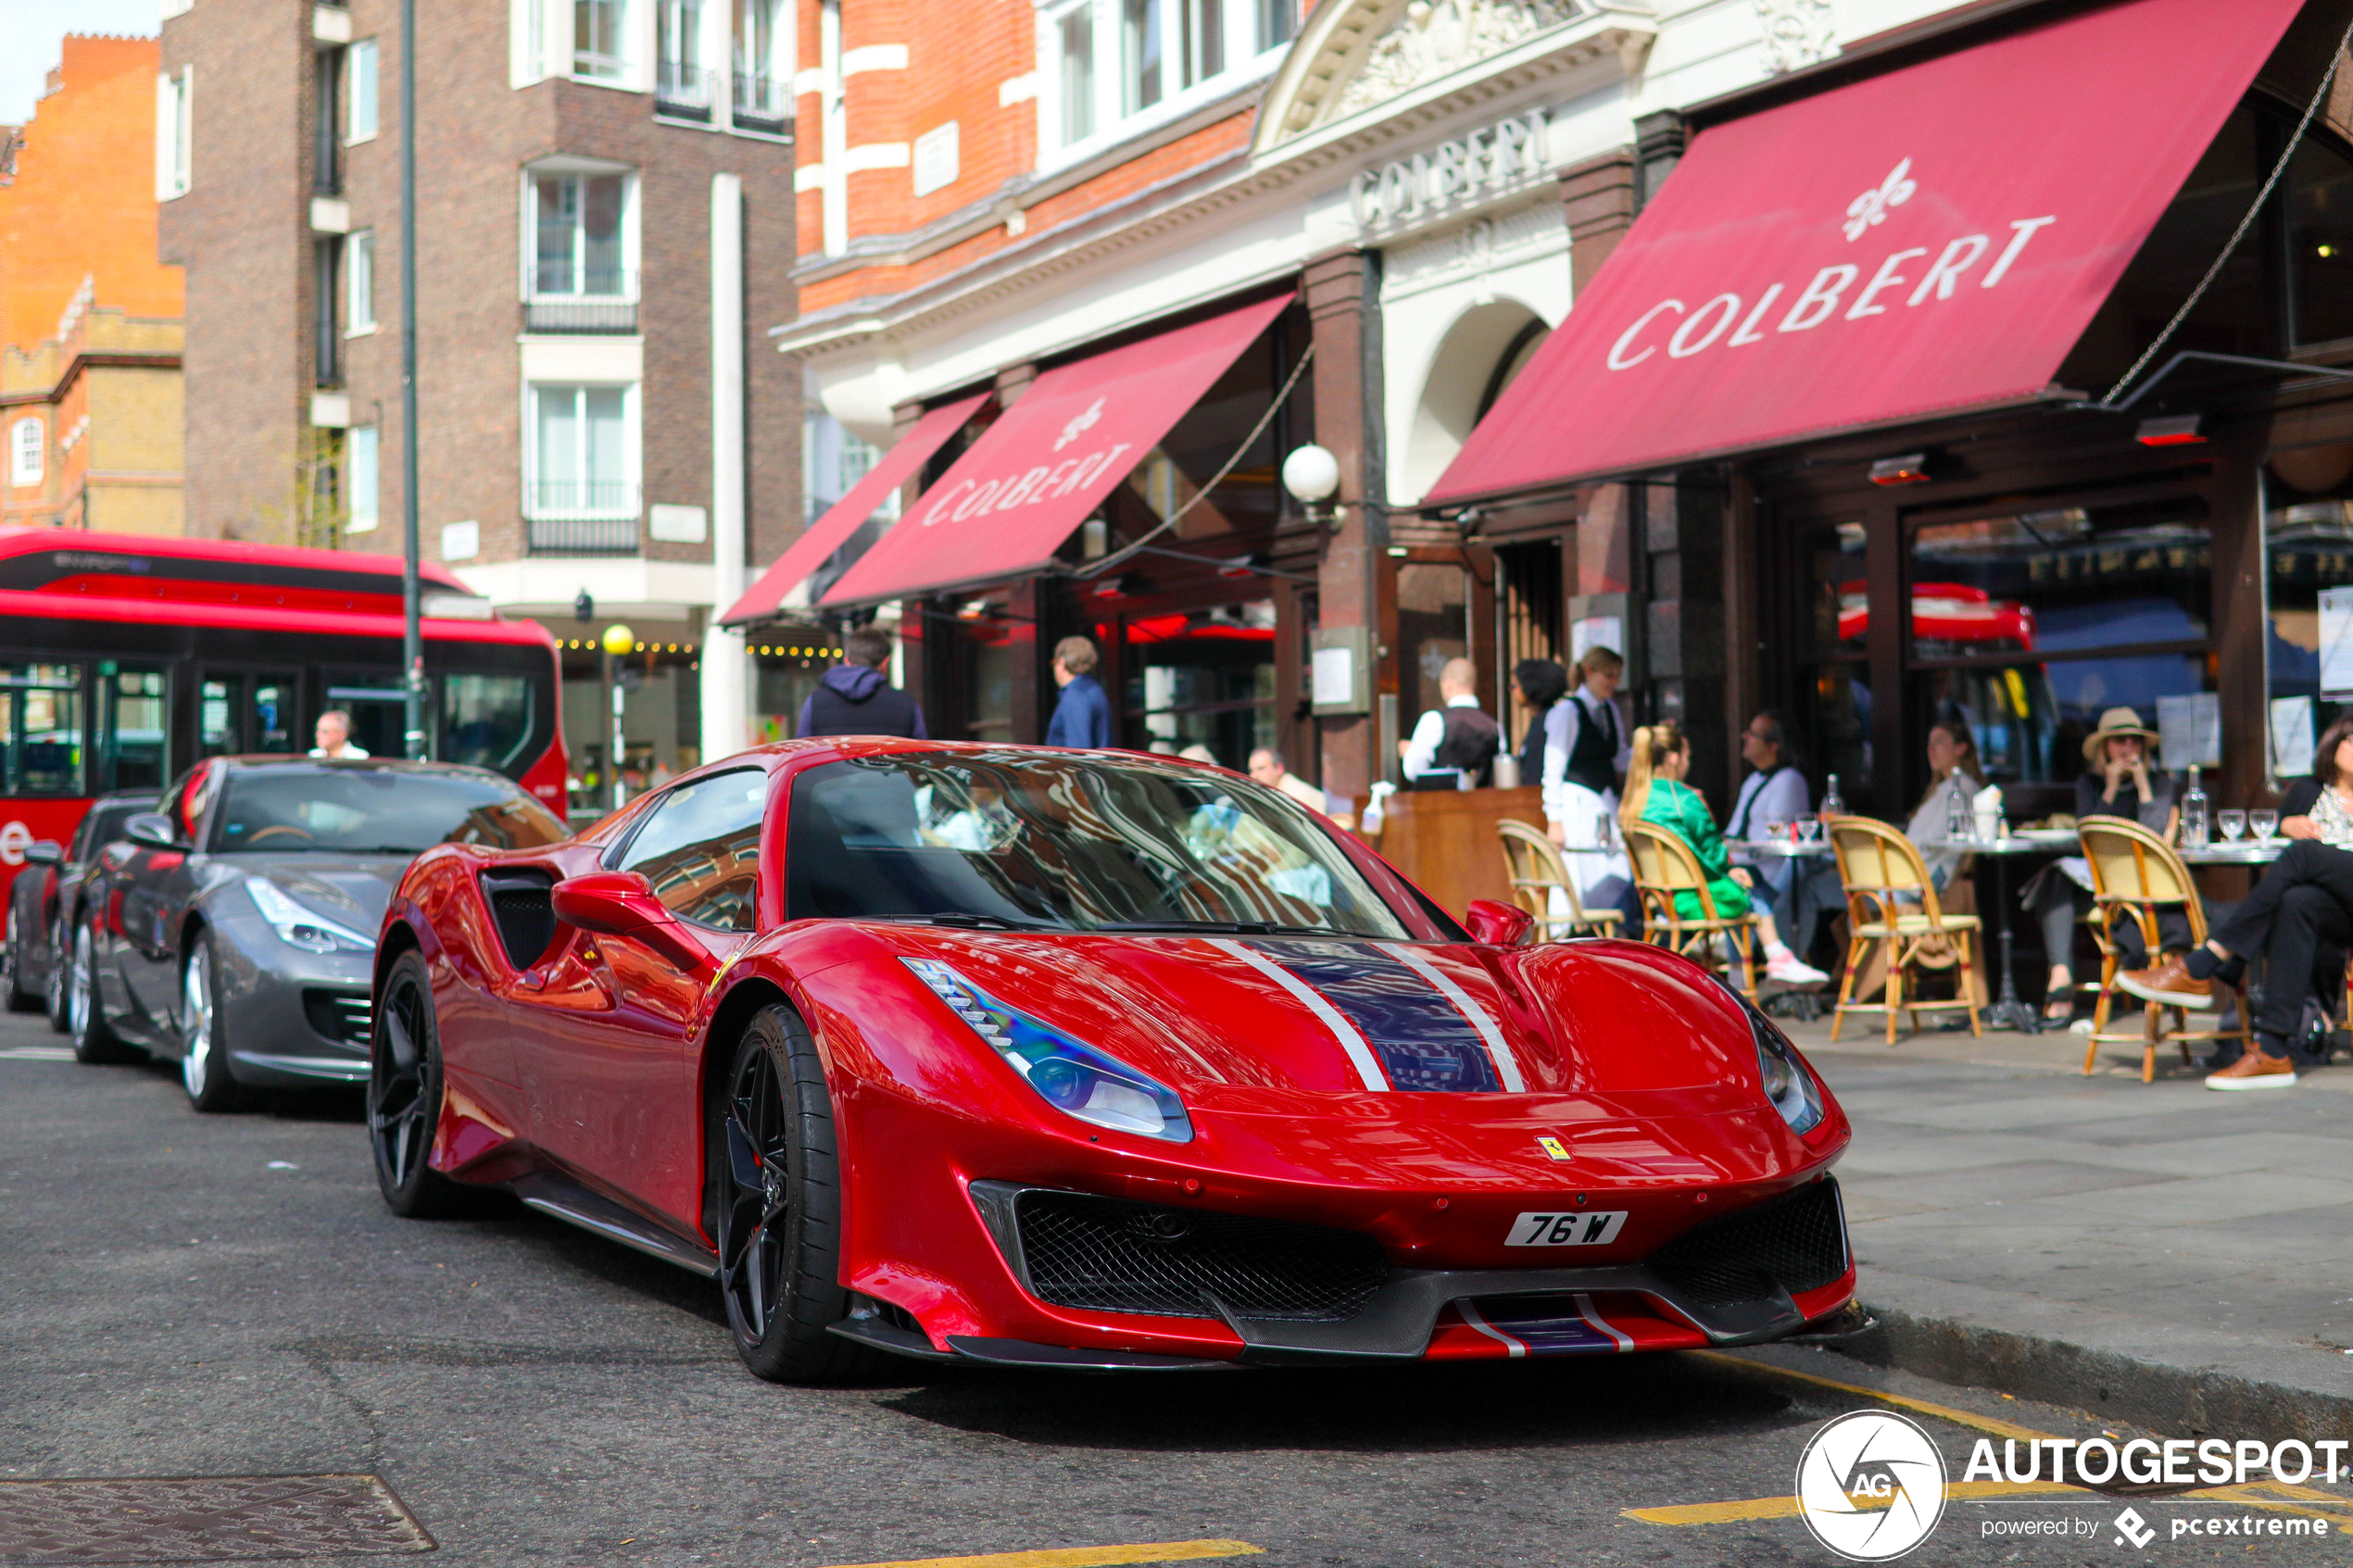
<point x="1664" y="866"/>
<point x="1542" y="885"/>
<point x="2136" y="872"/>
<point x="1891" y="900"/>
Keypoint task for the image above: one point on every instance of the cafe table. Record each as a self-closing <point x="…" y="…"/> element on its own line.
<point x="2009" y="1009"/>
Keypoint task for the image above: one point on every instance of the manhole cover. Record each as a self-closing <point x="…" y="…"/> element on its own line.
<point x="203" y="1519"/>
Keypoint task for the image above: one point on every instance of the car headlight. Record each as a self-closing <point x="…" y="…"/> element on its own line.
<point x="1787" y="1083"/>
<point x="1074" y="1077"/>
<point x="299" y="927"/>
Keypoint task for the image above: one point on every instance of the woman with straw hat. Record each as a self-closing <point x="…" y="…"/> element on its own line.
<point x="2121" y="778"/>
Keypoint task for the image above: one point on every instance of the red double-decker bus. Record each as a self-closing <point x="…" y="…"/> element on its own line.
<point x="125" y="659"/>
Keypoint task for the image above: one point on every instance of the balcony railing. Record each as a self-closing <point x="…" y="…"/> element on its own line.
<point x="762" y="102"/>
<point x="684" y="92"/>
<point x="584" y="536"/>
<point x="600" y="300"/>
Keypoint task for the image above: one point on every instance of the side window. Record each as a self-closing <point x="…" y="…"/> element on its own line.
<point x="699" y="847"/>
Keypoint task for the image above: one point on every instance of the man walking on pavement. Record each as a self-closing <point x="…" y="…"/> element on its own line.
<point x="855" y="698"/>
<point x="1082" y="715"/>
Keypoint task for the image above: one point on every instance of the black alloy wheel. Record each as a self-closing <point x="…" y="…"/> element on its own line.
<point x="404" y="1093"/>
<point x="93" y="1040"/>
<point x="59" y="997"/>
<point x="778" y="1187"/>
<point x="12" y="968"/>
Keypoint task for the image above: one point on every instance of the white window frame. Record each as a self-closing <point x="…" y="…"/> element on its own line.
<point x="364" y="480"/>
<point x="578" y="169"/>
<point x="175" y="132"/>
<point x="28" y="451"/>
<point x="362" y="88"/>
<point x="359" y="283"/>
<point x="783" y="28"/>
<point x="631" y="452"/>
<point x="1113" y="121"/>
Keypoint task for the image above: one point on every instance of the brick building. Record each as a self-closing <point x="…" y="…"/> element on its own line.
<point x="603" y="193"/>
<point x="90" y="323"/>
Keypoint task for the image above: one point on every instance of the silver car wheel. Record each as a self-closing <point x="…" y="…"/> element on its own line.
<point x="195" y="1025"/>
<point x="78" y="986"/>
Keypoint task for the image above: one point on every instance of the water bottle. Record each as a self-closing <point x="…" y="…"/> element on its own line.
<point x="2194" y="814"/>
<point x="1955" y="807"/>
<point x="1833" y="805"/>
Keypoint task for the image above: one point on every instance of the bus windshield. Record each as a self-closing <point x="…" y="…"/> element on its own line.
<point x="352" y="809"/>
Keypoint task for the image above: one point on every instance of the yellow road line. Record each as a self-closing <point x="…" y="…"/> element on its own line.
<point x="1785" y="1507"/>
<point x="1902" y="1402"/>
<point x="1082" y="1556"/>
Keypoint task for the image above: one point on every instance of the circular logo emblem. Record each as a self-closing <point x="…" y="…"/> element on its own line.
<point x="1870" y="1485"/>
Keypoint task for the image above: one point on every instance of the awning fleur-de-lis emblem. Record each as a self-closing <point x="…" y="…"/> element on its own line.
<point x="1871" y="207"/>
<point x="1079" y="424"/>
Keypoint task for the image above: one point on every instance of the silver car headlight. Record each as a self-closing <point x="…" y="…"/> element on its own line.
<point x="1787" y="1083"/>
<point x="300" y="927"/>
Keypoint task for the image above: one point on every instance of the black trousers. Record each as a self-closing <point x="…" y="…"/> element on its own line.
<point x="2299" y="917"/>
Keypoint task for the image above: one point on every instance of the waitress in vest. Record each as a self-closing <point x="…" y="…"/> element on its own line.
<point x="1586" y="752"/>
<point x="1454" y="742"/>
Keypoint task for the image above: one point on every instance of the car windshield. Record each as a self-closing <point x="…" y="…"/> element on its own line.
<point x="376" y="810"/>
<point x="1018" y="840"/>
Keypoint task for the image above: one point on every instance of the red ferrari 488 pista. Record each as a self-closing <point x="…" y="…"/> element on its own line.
<point x="1090" y="1059"/>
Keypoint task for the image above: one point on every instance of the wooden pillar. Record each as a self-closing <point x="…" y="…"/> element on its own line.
<point x="1343" y="310"/>
<point x="1883" y="581"/>
<point x="1744" y="649"/>
<point x="2234" y="500"/>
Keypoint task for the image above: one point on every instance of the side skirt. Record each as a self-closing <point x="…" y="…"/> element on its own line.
<point x="575" y="1205"/>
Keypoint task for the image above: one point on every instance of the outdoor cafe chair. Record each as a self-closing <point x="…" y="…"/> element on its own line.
<point x="1542" y="885"/>
<point x="1664" y="866"/>
<point x="2136" y="872"/>
<point x="1892" y="901"/>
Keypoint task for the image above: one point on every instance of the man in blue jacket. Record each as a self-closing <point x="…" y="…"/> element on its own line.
<point x="855" y="698"/>
<point x="1082" y="716"/>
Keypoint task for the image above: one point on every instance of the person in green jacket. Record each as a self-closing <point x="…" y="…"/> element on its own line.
<point x="1656" y="794"/>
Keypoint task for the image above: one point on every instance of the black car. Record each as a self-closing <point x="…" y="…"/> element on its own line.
<point x="235" y="929"/>
<point x="45" y="903"/>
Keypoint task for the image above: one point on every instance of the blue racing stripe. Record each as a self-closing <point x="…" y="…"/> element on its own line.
<point x="1423" y="1041"/>
<point x="1548" y="1325"/>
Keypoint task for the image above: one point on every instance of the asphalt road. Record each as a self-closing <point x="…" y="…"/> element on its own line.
<point x="186" y="1295"/>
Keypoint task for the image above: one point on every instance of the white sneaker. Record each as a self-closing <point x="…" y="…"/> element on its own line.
<point x="1790" y="969"/>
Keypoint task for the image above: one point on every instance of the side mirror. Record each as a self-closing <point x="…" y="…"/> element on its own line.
<point x="623" y="904"/>
<point x="43" y="852"/>
<point x="1498" y="925"/>
<point x="151" y="830"/>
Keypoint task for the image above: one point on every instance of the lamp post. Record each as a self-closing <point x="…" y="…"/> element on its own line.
<point x="618" y="641"/>
<point x="412" y="641"/>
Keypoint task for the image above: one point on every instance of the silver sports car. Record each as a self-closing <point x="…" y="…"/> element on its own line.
<point x="235" y="928"/>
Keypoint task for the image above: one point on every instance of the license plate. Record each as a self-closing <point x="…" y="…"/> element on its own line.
<point x="1581" y="1228"/>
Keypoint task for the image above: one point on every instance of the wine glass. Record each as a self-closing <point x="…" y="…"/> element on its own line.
<point x="2265" y="822"/>
<point x="1776" y="831"/>
<point x="1809" y="830"/>
<point x="2233" y="822"/>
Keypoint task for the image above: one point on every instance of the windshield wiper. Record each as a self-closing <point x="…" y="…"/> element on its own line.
<point x="1233" y="927"/>
<point x="977" y="922"/>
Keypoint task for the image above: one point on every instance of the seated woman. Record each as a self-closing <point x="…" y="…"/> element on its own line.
<point x="2300" y="916"/>
<point x="1656" y="794"/>
<point x="2119" y="782"/>
<point x="1952" y="771"/>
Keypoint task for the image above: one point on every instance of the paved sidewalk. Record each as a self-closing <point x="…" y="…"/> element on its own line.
<point x="2157" y="1249"/>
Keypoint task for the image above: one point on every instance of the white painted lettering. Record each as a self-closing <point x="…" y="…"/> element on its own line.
<point x="1055" y="482"/>
<point x="2143" y="1475"/>
<point x="2025" y="228"/>
<point x="938" y="508"/>
<point x="1748" y="333"/>
<point x="1980" y="1462"/>
<point x="978" y="500"/>
<point x="1959" y="258"/>
<point x="1682" y="346"/>
<point x="1094" y="464"/>
<point x="1885" y="278"/>
<point x="1618" y="360"/>
<point x="2303" y="1452"/>
<point x="1814" y="307"/>
<point x="1361" y="203"/>
<point x="1022" y="489"/>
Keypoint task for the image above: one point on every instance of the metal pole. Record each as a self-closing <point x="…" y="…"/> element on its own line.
<point x="412" y="647"/>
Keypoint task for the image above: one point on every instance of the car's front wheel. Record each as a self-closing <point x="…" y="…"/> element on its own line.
<point x="204" y="1070"/>
<point x="57" y="996"/>
<point x="12" y="969"/>
<point x="778" y="1184"/>
<point x="404" y="1093"/>
<point x="93" y="1040"/>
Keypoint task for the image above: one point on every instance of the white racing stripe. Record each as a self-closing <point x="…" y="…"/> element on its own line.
<point x="1470" y="1316"/>
<point x="1585" y="1310"/>
<point x="1359" y="1053"/>
<point x="1507" y="1065"/>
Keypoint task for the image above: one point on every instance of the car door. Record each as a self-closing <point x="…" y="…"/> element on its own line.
<point x="155" y="887"/>
<point x="606" y="1041"/>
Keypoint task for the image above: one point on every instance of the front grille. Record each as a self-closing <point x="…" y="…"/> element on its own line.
<point x="337" y="1015"/>
<point x="1113" y="1256"/>
<point x="1798" y="1242"/>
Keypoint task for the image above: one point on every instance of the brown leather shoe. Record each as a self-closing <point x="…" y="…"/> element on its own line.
<point x="2169" y="983"/>
<point x="2255" y="1069"/>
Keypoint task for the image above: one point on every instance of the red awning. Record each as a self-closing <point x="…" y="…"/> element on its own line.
<point x="1011" y="501"/>
<point x="1930" y="240"/>
<point x="844" y="518"/>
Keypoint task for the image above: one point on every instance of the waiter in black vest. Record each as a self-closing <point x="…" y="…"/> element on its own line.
<point x="1454" y="740"/>
<point x="856" y="699"/>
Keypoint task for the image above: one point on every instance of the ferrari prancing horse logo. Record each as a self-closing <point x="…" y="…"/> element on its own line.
<point x="1553" y="1147"/>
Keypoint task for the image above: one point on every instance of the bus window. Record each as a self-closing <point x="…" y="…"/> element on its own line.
<point x="486" y="720"/>
<point x="40" y="729"/>
<point x="379" y="709"/>
<point x="233" y="723"/>
<point x="220" y="717"/>
<point x="274" y="717"/>
<point x="132" y="728"/>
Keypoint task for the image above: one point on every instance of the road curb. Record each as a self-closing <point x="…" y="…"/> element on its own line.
<point x="2162" y="1376"/>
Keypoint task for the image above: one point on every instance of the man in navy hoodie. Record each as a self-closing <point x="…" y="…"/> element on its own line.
<point x="1082" y="715"/>
<point x="854" y="698"/>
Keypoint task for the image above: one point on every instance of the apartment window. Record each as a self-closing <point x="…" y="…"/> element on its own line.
<point x="1204" y="39"/>
<point x="363" y="452"/>
<point x="326" y="147"/>
<point x="1139" y="34"/>
<point x="359" y="283"/>
<point x="1277" y="20"/>
<point x="174" y="131"/>
<point x="762" y="65"/>
<point x="579" y="234"/>
<point x="582" y="465"/>
<point x="682" y="87"/>
<point x="359" y="91"/>
<point x="1109" y="60"/>
<point x="1076" y="35"/>
<point x="326" y="270"/>
<point x="597" y="38"/>
<point x="28" y="452"/>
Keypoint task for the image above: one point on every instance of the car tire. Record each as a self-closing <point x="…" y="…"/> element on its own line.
<point x="404" y="1093"/>
<point x="778" y="1186"/>
<point x="93" y="1040"/>
<point x="204" y="1063"/>
<point x="12" y="969"/>
<point x="57" y="997"/>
